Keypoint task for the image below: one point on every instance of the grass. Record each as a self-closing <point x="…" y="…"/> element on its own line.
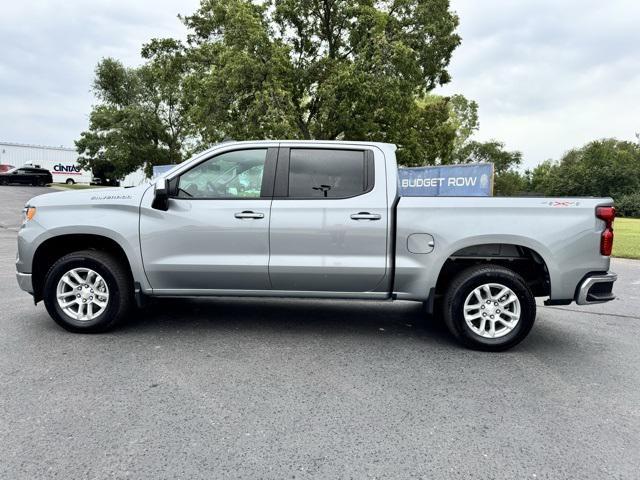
<point x="626" y="240"/>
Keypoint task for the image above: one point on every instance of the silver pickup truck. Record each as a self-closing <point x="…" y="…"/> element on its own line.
<point x="313" y="219"/>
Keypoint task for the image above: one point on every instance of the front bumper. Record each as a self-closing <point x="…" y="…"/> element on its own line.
<point x="24" y="282"/>
<point x="596" y="289"/>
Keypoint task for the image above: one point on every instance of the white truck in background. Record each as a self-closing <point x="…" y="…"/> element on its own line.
<point x="134" y="179"/>
<point x="68" y="172"/>
<point x="139" y="176"/>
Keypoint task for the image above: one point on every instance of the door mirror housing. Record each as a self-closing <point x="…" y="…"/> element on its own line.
<point x="161" y="194"/>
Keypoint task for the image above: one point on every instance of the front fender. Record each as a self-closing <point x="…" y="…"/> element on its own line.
<point x="119" y="223"/>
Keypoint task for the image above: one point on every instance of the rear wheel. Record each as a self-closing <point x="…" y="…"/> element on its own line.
<point x="489" y="307"/>
<point x="70" y="181"/>
<point x="88" y="291"/>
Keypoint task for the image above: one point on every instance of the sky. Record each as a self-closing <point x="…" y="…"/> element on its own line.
<point x="548" y="75"/>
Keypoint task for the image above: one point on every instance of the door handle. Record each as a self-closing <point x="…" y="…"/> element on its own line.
<point x="249" y="214"/>
<point x="366" y="216"/>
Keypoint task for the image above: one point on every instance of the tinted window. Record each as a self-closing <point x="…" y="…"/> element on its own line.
<point x="228" y="175"/>
<point x="326" y="173"/>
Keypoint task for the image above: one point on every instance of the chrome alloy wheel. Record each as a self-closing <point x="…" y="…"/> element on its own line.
<point x="82" y="294"/>
<point x="492" y="310"/>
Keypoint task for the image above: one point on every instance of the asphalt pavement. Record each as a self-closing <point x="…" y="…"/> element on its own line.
<point x="271" y="388"/>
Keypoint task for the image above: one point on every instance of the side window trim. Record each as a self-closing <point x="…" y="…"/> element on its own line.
<point x="369" y="171"/>
<point x="268" y="176"/>
<point x="281" y="188"/>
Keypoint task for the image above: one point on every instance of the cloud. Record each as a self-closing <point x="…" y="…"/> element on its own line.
<point x="550" y="75"/>
<point x="50" y="50"/>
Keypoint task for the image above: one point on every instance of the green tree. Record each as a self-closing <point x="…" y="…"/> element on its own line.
<point x="536" y="178"/>
<point x="507" y="180"/>
<point x="323" y="69"/>
<point x="140" y="119"/>
<point x="606" y="167"/>
<point x="464" y="120"/>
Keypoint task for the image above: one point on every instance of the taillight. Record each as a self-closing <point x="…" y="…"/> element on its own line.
<point x="608" y="214"/>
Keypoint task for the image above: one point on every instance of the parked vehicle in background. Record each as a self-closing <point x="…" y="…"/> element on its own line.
<point x="60" y="161"/>
<point x="66" y="172"/>
<point x="5" y="168"/>
<point x="26" y="176"/>
<point x="313" y="219"/>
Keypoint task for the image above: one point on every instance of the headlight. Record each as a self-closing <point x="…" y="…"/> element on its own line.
<point x="28" y="213"/>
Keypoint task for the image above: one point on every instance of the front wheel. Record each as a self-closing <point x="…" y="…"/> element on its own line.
<point x="488" y="307"/>
<point x="70" y="181"/>
<point x="88" y="291"/>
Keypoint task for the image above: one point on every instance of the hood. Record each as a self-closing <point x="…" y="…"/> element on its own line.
<point x="92" y="196"/>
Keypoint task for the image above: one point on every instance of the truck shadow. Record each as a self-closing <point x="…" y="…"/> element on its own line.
<point x="303" y="316"/>
<point x="324" y="318"/>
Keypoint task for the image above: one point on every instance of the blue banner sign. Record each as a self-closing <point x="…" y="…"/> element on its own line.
<point x="472" y="180"/>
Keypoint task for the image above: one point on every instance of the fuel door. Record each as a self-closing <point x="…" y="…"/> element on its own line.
<point x="420" y="243"/>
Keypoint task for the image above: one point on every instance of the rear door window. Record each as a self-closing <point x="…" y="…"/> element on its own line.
<point x="324" y="173"/>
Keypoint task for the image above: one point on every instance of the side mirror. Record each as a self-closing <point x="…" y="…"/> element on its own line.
<point x="161" y="194"/>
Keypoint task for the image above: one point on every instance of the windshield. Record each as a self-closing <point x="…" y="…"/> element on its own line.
<point x="175" y="167"/>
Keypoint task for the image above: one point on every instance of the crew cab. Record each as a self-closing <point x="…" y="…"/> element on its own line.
<point x="313" y="219"/>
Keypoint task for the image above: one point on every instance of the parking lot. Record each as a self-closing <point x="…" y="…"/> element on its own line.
<point x="271" y="388"/>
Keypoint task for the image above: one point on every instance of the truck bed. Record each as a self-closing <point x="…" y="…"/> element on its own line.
<point x="564" y="232"/>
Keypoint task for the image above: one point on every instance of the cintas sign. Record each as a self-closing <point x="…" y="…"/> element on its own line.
<point x="68" y="169"/>
<point x="471" y="180"/>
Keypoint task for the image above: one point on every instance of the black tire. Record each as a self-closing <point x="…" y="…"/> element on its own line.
<point x="115" y="275"/>
<point x="462" y="286"/>
<point x="70" y="181"/>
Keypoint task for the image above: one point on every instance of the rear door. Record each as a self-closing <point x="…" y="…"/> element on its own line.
<point x="329" y="220"/>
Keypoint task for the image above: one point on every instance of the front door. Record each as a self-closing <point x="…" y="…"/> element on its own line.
<point x="215" y="234"/>
<point x="329" y="220"/>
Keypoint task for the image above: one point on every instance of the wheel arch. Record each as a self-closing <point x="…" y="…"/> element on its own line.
<point x="52" y="249"/>
<point x="519" y="257"/>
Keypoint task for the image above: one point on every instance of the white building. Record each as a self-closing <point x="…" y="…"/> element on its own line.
<point x="60" y="161"/>
<point x="17" y="154"/>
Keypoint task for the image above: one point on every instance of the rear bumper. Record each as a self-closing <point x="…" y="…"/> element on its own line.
<point x="596" y="289"/>
<point x="24" y="282"/>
